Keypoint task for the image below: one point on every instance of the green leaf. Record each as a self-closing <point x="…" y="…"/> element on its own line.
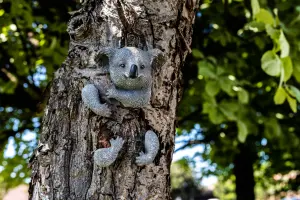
<point x="272" y="32"/>
<point x="229" y="109"/>
<point x="206" y="107"/>
<point x="284" y="45"/>
<point x="243" y="96"/>
<point x="293" y="103"/>
<point x="255" y="26"/>
<point x="271" y="63"/>
<point x="220" y="70"/>
<point x="8" y="87"/>
<point x="197" y="54"/>
<point x="226" y="85"/>
<point x="287" y="67"/>
<point x="242" y="131"/>
<point x="212" y="59"/>
<point x="260" y="43"/>
<point x="295" y="92"/>
<point x="206" y="69"/>
<point x="265" y="17"/>
<point x="280" y="96"/>
<point x="296" y="71"/>
<point x="272" y="128"/>
<point x="2" y="12"/>
<point x="212" y="87"/>
<point x="255" y="7"/>
<point x="216" y="116"/>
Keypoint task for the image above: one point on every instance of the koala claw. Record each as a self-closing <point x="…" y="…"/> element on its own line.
<point x="110" y="93"/>
<point x="143" y="159"/>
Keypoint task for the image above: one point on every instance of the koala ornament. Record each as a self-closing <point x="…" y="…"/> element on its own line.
<point x="130" y="71"/>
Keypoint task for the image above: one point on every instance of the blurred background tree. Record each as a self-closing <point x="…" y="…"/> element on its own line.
<point x="240" y="97"/>
<point x="34" y="43"/>
<point x="245" y="63"/>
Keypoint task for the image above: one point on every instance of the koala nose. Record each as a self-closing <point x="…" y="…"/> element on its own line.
<point x="133" y="73"/>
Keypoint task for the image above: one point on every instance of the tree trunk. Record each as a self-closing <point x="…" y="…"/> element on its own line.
<point x="244" y="173"/>
<point x="63" y="165"/>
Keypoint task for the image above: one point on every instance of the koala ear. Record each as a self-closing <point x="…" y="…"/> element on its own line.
<point x="157" y="57"/>
<point x="101" y="55"/>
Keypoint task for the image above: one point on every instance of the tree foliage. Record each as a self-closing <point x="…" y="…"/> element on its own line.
<point x="242" y="84"/>
<point x="33" y="44"/>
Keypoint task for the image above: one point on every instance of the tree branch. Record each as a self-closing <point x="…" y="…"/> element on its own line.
<point x="189" y="143"/>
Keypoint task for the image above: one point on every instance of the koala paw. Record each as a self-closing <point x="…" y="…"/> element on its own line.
<point x="110" y="93"/>
<point x="144" y="159"/>
<point x="106" y="111"/>
<point x="104" y="157"/>
<point x="117" y="143"/>
<point x="102" y="110"/>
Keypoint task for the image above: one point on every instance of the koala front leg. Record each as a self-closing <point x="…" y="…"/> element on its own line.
<point x="151" y="147"/>
<point x="106" y="156"/>
<point x="90" y="97"/>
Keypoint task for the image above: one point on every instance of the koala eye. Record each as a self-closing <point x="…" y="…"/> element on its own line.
<point x="122" y="65"/>
<point x="142" y="66"/>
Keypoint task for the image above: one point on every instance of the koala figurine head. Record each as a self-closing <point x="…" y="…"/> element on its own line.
<point x="130" y="67"/>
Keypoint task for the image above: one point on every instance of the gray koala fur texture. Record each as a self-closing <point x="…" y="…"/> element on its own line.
<point x="130" y="72"/>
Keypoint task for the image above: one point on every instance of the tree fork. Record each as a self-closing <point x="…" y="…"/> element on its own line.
<point x="62" y="165"/>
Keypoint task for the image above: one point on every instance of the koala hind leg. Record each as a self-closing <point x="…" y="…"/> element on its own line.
<point x="90" y="97"/>
<point x="151" y="147"/>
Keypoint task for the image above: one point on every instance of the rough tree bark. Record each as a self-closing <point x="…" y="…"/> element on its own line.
<point x="63" y="166"/>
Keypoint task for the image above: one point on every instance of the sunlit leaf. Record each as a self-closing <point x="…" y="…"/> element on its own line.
<point x="272" y="32"/>
<point x="293" y="103"/>
<point x="295" y="92"/>
<point x="255" y="7"/>
<point x="280" y="96"/>
<point x="243" y="96"/>
<point x="1" y="12"/>
<point x="284" y="45"/>
<point x="287" y="67"/>
<point x="265" y="17"/>
<point x="271" y="63"/>
<point x="296" y="71"/>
